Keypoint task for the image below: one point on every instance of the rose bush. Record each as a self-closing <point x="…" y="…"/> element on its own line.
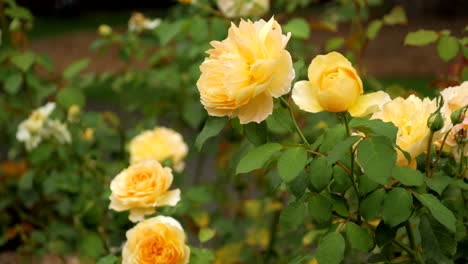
<point x="216" y="158"/>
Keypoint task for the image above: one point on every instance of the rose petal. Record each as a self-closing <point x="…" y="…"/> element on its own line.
<point x="369" y="103"/>
<point x="305" y="96"/>
<point x="257" y="110"/>
<point x="170" y="198"/>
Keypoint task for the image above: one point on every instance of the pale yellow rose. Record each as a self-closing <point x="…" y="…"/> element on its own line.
<point x="142" y="187"/>
<point x="410" y="117"/>
<point x="244" y="72"/>
<point x="455" y="97"/>
<point x="335" y="86"/>
<point x="243" y="8"/>
<point x="158" y="240"/>
<point x="159" y="144"/>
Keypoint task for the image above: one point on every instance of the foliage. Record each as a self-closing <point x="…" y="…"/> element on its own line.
<point x="295" y="188"/>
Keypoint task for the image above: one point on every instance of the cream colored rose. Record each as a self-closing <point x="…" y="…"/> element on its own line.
<point x="243" y="8"/>
<point x="410" y="117"/>
<point x="455" y="97"/>
<point x="244" y="72"/>
<point x="335" y="86"/>
<point x="158" y="240"/>
<point x="159" y="144"/>
<point x="142" y="187"/>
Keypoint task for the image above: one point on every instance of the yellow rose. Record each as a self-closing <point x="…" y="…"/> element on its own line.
<point x="158" y="240"/>
<point x="455" y="97"/>
<point x="335" y="86"/>
<point x="243" y="8"/>
<point x="159" y="144"/>
<point x="244" y="71"/>
<point x="456" y="135"/>
<point x="410" y="117"/>
<point x="142" y="187"/>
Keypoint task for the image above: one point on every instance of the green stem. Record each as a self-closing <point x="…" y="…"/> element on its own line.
<point x="273" y="234"/>
<point x="439" y="154"/>
<point x="351" y="175"/>
<point x="412" y="241"/>
<point x="291" y="113"/>
<point x="428" y="154"/>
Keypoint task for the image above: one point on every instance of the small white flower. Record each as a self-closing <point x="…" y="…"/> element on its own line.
<point x="58" y="130"/>
<point x="152" y="24"/>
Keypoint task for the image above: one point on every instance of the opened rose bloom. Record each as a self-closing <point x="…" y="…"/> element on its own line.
<point x="142" y="187"/>
<point x="410" y="117"/>
<point x="158" y="240"/>
<point x="245" y="71"/>
<point x="159" y="144"/>
<point x="335" y="86"/>
<point x="243" y="8"/>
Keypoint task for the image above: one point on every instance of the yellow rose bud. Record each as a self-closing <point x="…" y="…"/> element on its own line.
<point x="410" y="117"/>
<point x="159" y="144"/>
<point x="142" y="187"/>
<point x="88" y="134"/>
<point x="105" y="30"/>
<point x="335" y="86"/>
<point x="159" y="239"/>
<point x="245" y="71"/>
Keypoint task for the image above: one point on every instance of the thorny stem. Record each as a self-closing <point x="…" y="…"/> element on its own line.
<point x="428" y="154"/>
<point x="439" y="154"/>
<point x="295" y="122"/>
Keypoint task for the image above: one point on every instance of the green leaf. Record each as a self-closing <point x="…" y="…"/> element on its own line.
<point x="384" y="234"/>
<point x="109" y="259"/>
<point x="206" y="234"/>
<point x="397" y="206"/>
<point x="375" y="127"/>
<point x="13" y="83"/>
<point x="320" y="208"/>
<point x="75" y="68"/>
<point x="341" y="181"/>
<point x="291" y="163"/>
<point x="333" y="135"/>
<point x="280" y="121"/>
<point x="408" y="176"/>
<point x="438" y="243"/>
<point x="370" y="206"/>
<point x="377" y="157"/>
<point x="366" y="185"/>
<point x="201" y="255"/>
<point x="331" y="249"/>
<point x="19" y="12"/>
<point x="256" y="133"/>
<point x="70" y="96"/>
<point x="212" y="127"/>
<point x="341" y="149"/>
<point x="298" y="27"/>
<point x="23" y="61"/>
<point x="299" y="184"/>
<point x="320" y="173"/>
<point x="41" y="154"/>
<point x="373" y="29"/>
<point x="421" y="37"/>
<point x="193" y="114"/>
<point x="334" y="44"/>
<point x="438" y="210"/>
<point x="358" y="237"/>
<point x="292" y="215"/>
<point x="26" y="180"/>
<point x="396" y="16"/>
<point x="257" y="157"/>
<point x="438" y="182"/>
<point x="448" y="47"/>
<point x="92" y="245"/>
<point x="167" y="31"/>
